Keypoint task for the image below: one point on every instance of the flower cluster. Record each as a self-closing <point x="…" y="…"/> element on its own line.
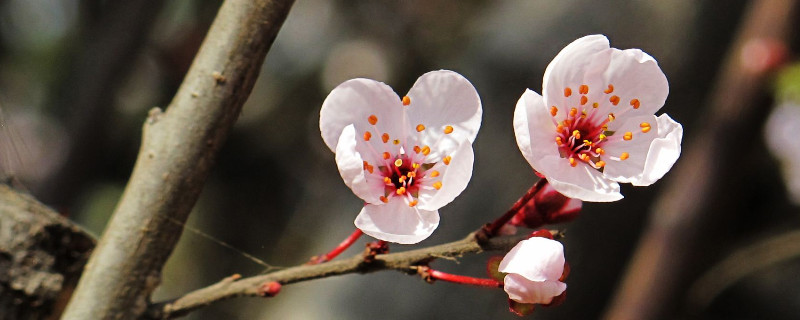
<point x="593" y="127"/>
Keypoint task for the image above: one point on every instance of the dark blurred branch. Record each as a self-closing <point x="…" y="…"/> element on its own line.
<point x="404" y="261"/>
<point x="41" y="257"/>
<point x="650" y="286"/>
<point x="85" y="94"/>
<point x="178" y="148"/>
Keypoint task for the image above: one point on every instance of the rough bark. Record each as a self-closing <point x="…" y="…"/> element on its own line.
<point x="41" y="256"/>
<point x="178" y="148"/>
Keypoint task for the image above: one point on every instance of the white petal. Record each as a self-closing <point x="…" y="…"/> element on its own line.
<point x="582" y="181"/>
<point x="534" y="128"/>
<point x="536" y="259"/>
<point x="523" y="290"/>
<point x="352" y="102"/>
<point x="442" y="98"/>
<point x="583" y="59"/>
<point x="454" y="178"/>
<point x="630" y="169"/>
<point x="636" y="75"/>
<point x="397" y="222"/>
<point x="351" y="167"/>
<point x="664" y="151"/>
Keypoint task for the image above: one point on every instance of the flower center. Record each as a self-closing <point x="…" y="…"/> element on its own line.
<point x="405" y="171"/>
<point x="583" y="130"/>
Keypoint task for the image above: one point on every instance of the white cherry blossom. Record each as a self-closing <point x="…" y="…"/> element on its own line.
<point x="534" y="269"/>
<point x="405" y="157"/>
<point x="595" y="124"/>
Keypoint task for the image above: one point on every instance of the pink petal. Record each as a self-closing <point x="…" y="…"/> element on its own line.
<point x="581" y="62"/>
<point x="444" y="98"/>
<point x="536" y="259"/>
<point x="664" y="151"/>
<point x="636" y="75"/>
<point x="397" y="222"/>
<point x="351" y="167"/>
<point x="534" y="129"/>
<point x="630" y="169"/>
<point x="454" y="178"/>
<point x="352" y="102"/>
<point x="523" y="290"/>
<point x="581" y="182"/>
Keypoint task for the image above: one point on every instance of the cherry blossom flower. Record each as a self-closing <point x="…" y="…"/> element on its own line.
<point x="534" y="270"/>
<point x="405" y="157"/>
<point x="594" y="126"/>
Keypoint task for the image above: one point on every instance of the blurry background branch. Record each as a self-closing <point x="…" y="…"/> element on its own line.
<point x="705" y="175"/>
<point x="178" y="148"/>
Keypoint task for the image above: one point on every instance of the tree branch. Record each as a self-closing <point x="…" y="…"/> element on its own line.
<point x="232" y="287"/>
<point x="178" y="148"/>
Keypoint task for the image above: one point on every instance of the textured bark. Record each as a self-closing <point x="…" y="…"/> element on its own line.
<point x="41" y="256"/>
<point x="178" y="148"/>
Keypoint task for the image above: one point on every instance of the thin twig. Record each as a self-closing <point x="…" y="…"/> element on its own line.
<point x="403" y="261"/>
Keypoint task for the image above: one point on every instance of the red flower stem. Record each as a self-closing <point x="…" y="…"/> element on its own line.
<point x="492" y="228"/>
<point x="339" y="249"/>
<point x="454" y="278"/>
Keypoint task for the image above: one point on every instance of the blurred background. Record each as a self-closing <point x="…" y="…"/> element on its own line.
<point x="77" y="78"/>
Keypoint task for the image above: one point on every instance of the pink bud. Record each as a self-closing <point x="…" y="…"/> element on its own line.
<point x="269" y="289"/>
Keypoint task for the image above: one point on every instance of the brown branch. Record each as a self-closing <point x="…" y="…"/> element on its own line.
<point x="680" y="215"/>
<point x="178" y="148"/>
<point x="403" y="261"/>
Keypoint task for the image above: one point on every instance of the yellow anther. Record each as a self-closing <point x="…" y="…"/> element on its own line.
<point x="599" y="151"/>
<point x="624" y="156"/>
<point x="611" y="117"/>
<point x="373" y="119"/>
<point x="386" y="180"/>
<point x="587" y="142"/>
<point x="396" y="142"/>
<point x="559" y="141"/>
<point x="426" y="150"/>
<point x="583" y="157"/>
<point x="583" y="114"/>
<point x="446" y="160"/>
<point x="576" y="134"/>
<point x="420" y="127"/>
<point x="583" y="89"/>
<point x="413" y="203"/>
<point x="573" y="112"/>
<point x="384" y="199"/>
<point x="437" y="185"/>
<point x="553" y="111"/>
<point x="600" y="164"/>
<point x="559" y="128"/>
<point x="635" y="103"/>
<point x="386" y="156"/>
<point x="610" y="89"/>
<point x="369" y="167"/>
<point x="614" y="100"/>
<point x="601" y="136"/>
<point x="367" y="135"/>
<point x="415" y="166"/>
<point x="448" y="129"/>
<point x="411" y="174"/>
<point x="572" y="162"/>
<point x="595" y="105"/>
<point x="628" y="135"/>
<point x="385" y="137"/>
<point x="406" y="100"/>
<point x="567" y="122"/>
<point x="417" y="149"/>
<point x="401" y="179"/>
<point x="645" y="127"/>
<point x="401" y="190"/>
<point x="398" y="162"/>
<point x="584" y="100"/>
<point x="434" y="174"/>
<point x="605" y="127"/>
<point x="567" y="92"/>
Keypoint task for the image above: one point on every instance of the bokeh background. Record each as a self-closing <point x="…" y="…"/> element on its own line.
<point x="77" y="78"/>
